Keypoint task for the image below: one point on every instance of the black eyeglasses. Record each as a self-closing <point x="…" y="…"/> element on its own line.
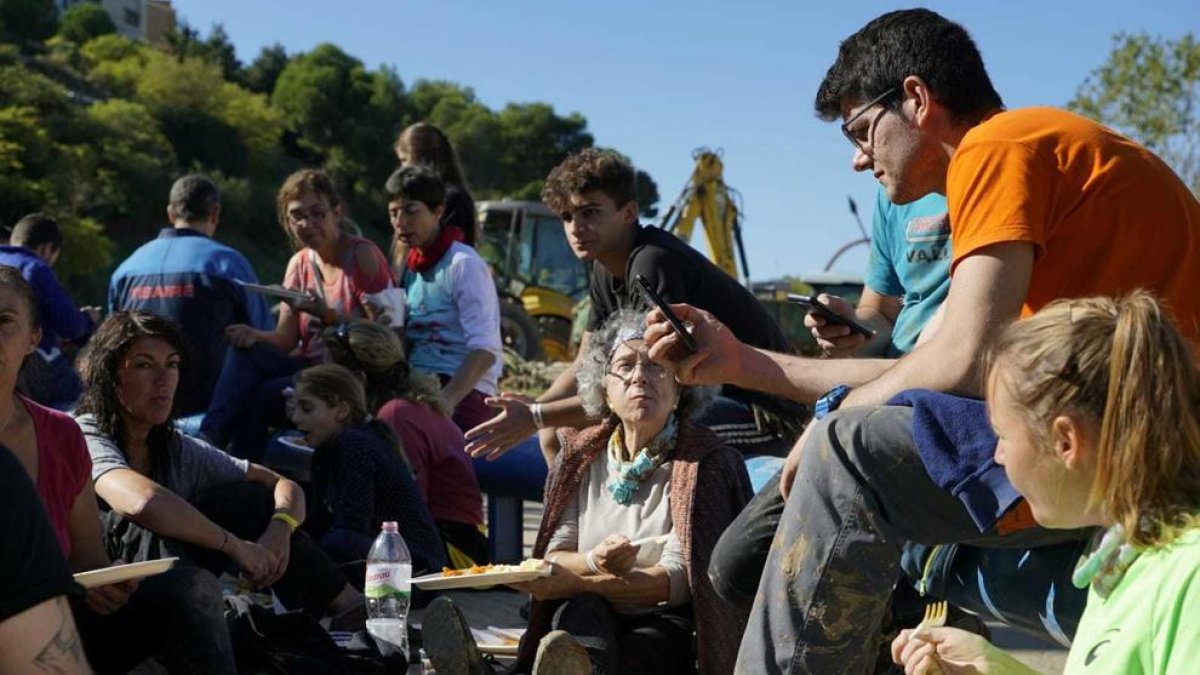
<point x="859" y="142"/>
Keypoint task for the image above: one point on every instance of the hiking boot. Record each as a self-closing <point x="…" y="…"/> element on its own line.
<point x="448" y="642"/>
<point x="560" y="654"/>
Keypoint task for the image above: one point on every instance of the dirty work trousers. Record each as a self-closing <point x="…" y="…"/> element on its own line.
<point x="860" y="493"/>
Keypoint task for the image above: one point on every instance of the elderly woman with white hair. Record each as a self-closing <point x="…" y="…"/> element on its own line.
<point x="633" y="509"/>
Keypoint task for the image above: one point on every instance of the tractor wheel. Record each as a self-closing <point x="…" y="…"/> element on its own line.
<point x="519" y="332"/>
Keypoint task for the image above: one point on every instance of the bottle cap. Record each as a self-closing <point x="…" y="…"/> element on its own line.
<point x="390" y="526"/>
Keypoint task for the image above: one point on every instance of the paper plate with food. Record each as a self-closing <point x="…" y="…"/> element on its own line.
<point x="484" y="575"/>
<point x="296" y="441"/>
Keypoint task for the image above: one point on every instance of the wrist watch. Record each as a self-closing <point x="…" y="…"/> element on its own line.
<point x="830" y="401"/>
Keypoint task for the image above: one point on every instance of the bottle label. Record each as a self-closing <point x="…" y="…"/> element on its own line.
<point x="387" y="581"/>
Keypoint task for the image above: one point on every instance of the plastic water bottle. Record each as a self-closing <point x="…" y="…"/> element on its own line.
<point x="388" y="588"/>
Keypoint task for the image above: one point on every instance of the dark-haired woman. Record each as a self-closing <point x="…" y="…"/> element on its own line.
<point x="423" y="144"/>
<point x="453" y="325"/>
<point x="175" y="616"/>
<point x="173" y="495"/>
<point x="337" y="271"/>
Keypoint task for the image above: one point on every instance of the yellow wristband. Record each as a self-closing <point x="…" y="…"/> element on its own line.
<point x="286" y="518"/>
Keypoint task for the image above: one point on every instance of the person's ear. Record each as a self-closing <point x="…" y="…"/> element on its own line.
<point x="170" y="215"/>
<point x="35" y="339"/>
<point x="437" y="213"/>
<point x="915" y="89"/>
<point x="629" y="212"/>
<point x="341" y="411"/>
<point x="1073" y="440"/>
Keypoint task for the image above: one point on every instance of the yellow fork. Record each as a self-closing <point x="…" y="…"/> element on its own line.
<point x="935" y="617"/>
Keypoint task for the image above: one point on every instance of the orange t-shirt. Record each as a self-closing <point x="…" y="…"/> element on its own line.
<point x="1106" y="216"/>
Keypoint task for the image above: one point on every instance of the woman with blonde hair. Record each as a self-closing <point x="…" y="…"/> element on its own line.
<point x="424" y="144"/>
<point x="337" y="271"/>
<point x="410" y="403"/>
<point x="1095" y="403"/>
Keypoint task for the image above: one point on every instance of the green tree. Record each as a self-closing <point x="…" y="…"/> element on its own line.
<point x="185" y="42"/>
<point x="260" y="76"/>
<point x="1149" y="88"/>
<point x="85" y="21"/>
<point x="343" y="116"/>
<point x="28" y="20"/>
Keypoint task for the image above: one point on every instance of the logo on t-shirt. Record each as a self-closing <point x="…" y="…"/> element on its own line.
<point x="928" y="229"/>
<point x="1095" y="650"/>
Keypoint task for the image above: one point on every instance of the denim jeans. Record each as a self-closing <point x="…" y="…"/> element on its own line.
<point x="861" y="491"/>
<point x="177" y="617"/>
<point x="248" y="399"/>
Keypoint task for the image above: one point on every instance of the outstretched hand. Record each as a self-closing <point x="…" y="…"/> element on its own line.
<point x="498" y="435"/>
<point x="718" y="357"/>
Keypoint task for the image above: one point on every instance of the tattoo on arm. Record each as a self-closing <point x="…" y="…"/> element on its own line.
<point x="64" y="653"/>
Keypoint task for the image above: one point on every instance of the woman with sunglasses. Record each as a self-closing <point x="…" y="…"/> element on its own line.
<point x="337" y="271"/>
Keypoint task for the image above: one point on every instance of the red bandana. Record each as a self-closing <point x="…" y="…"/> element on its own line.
<point x="423" y="261"/>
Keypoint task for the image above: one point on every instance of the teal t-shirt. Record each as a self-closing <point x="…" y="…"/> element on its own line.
<point x="1150" y="623"/>
<point x="910" y="258"/>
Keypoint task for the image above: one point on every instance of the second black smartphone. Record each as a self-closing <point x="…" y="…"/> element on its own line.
<point x="822" y="310"/>
<point x="648" y="291"/>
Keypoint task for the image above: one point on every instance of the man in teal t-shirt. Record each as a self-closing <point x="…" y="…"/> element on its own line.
<point x="910" y="261"/>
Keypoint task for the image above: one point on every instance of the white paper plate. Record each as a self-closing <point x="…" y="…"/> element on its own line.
<point x="119" y="573"/>
<point x="437" y="582"/>
<point x="289" y="440"/>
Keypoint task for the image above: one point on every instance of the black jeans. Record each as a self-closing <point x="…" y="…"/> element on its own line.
<point x="658" y="643"/>
<point x="176" y="617"/>
<point x="311" y="581"/>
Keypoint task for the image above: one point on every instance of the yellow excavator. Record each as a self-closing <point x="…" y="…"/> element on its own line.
<point x="706" y="197"/>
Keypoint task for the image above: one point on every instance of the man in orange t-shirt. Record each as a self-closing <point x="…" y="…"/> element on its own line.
<point x="1043" y="204"/>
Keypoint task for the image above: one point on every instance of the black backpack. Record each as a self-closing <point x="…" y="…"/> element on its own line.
<point x="292" y="643"/>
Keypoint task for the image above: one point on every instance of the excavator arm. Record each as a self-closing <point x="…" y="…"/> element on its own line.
<point x="706" y="197"/>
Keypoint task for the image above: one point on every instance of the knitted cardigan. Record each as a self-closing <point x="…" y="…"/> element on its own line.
<point x="708" y="488"/>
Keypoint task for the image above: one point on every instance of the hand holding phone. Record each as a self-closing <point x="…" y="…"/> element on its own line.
<point x="822" y="310"/>
<point x="648" y="292"/>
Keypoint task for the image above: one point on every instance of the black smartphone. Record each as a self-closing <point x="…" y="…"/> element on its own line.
<point x="644" y="286"/>
<point x="822" y="310"/>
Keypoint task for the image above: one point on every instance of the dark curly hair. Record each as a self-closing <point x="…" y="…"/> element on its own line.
<point x="586" y="170"/>
<point x="101" y="360"/>
<point x="909" y="42"/>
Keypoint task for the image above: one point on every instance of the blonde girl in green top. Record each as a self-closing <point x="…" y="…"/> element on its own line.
<point x="1096" y="404"/>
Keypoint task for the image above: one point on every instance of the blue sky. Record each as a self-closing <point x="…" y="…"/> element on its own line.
<point x="656" y="79"/>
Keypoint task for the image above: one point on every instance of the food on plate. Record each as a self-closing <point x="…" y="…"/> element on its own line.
<point x="530" y="565"/>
